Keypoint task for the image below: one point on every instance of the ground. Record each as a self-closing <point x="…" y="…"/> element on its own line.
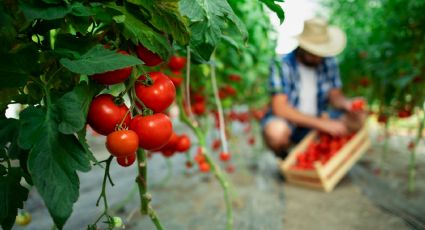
<point x="186" y="199"/>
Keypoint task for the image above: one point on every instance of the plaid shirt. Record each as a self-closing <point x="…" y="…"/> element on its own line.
<point x="287" y="80"/>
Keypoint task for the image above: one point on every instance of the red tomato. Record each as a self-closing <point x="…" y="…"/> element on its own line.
<point x="230" y="90"/>
<point x="114" y="76"/>
<point x="159" y="95"/>
<point x="104" y="115"/>
<point x="171" y="144"/>
<point x="127" y="160"/>
<point x="168" y="153"/>
<point x="234" y="77"/>
<point x="122" y="143"/>
<point x="177" y="81"/>
<point x="357" y="105"/>
<point x="189" y="164"/>
<point x="225" y="156"/>
<point x="183" y="144"/>
<point x="154" y="131"/>
<point x="404" y="113"/>
<point x="177" y="63"/>
<point x="204" y="167"/>
<point x="216" y="144"/>
<point x="199" y="108"/>
<point x="148" y="57"/>
<point x="230" y="168"/>
<point x="382" y="118"/>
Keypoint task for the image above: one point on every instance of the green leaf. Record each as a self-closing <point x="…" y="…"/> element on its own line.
<point x="12" y="197"/>
<point x="139" y="33"/>
<point x="209" y="20"/>
<point x="99" y="60"/>
<point x="73" y="108"/>
<point x="44" y="11"/>
<point x="272" y="5"/>
<point x="165" y="16"/>
<point x="53" y="161"/>
<point x="15" y="68"/>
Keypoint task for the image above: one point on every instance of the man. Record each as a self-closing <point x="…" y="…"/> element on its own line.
<point x="303" y="86"/>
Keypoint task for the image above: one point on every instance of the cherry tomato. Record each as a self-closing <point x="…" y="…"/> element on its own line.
<point x="127" y="160"/>
<point x="115" y="76"/>
<point x="154" y="131"/>
<point x="122" y="143"/>
<point x="104" y="114"/>
<point x="168" y="153"/>
<point x="216" y="145"/>
<point x="23" y="218"/>
<point x="225" y="156"/>
<point x="117" y="222"/>
<point x="159" y="95"/>
<point x="183" y="144"/>
<point x="357" y="105"/>
<point x="234" y="77"/>
<point x="177" y="63"/>
<point x="199" y="108"/>
<point x="177" y="81"/>
<point x="148" y="57"/>
<point x="204" y="167"/>
<point x="404" y="113"/>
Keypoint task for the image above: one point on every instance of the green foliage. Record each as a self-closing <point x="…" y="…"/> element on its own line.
<point x="272" y="5"/>
<point x="385" y="51"/>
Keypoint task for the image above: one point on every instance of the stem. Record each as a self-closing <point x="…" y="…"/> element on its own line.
<point x="189" y="106"/>
<point x="412" y="161"/>
<point x="106" y="176"/>
<point x="145" y="197"/>
<point x="220" y="110"/>
<point x="224" y="183"/>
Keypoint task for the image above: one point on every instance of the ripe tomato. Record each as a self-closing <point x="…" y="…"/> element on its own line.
<point x="127" y="160"/>
<point x="148" y="57"/>
<point x="168" y="153"/>
<point x="225" y="156"/>
<point x="154" y="131"/>
<point x="122" y="143"/>
<point x="177" y="81"/>
<point x="199" y="108"/>
<point x="23" y="218"/>
<point x="171" y="144"/>
<point x="357" y="105"/>
<point x="404" y="113"/>
<point x="159" y="95"/>
<point x="183" y="144"/>
<point x="216" y="145"/>
<point x="104" y="115"/>
<point x="115" y="76"/>
<point x="235" y="77"/>
<point x="177" y="63"/>
<point x="204" y="167"/>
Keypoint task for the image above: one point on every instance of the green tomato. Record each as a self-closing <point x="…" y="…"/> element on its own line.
<point x="117" y="222"/>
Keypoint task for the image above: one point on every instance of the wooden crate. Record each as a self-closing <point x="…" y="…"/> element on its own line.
<point x="325" y="177"/>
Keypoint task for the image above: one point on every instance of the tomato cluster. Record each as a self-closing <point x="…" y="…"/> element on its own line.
<point x="177" y="143"/>
<point x="320" y="150"/>
<point x="202" y="162"/>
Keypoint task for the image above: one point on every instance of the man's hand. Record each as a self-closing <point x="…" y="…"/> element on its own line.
<point x="333" y="127"/>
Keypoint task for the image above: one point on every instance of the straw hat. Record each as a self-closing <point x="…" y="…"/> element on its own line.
<point x="321" y="39"/>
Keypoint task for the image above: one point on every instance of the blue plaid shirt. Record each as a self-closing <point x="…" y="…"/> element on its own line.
<point x="287" y="80"/>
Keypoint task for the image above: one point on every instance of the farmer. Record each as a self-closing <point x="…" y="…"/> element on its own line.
<point x="306" y="82"/>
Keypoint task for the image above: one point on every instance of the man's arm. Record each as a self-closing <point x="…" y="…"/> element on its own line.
<point x="338" y="100"/>
<point x="282" y="108"/>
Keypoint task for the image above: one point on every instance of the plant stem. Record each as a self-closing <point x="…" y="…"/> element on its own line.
<point x="412" y="161"/>
<point x="189" y="107"/>
<point x="145" y="197"/>
<point x="224" y="183"/>
<point x="103" y="192"/>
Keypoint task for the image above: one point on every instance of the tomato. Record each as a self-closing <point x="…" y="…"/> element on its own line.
<point x="199" y="108"/>
<point x="189" y="164"/>
<point x="154" y="131"/>
<point x="204" y="167"/>
<point x="159" y="95"/>
<point x="225" y="156"/>
<point x="234" y="77"/>
<point x="168" y="153"/>
<point x="23" y="218"/>
<point x="229" y="90"/>
<point x="105" y="115"/>
<point x="183" y="144"/>
<point x="177" y="81"/>
<point x="216" y="145"/>
<point x="171" y="144"/>
<point x="127" y="160"/>
<point x="357" y="105"/>
<point x="115" y="76"/>
<point x="177" y="63"/>
<point x="122" y="143"/>
<point x="117" y="222"/>
<point x="230" y="168"/>
<point x="382" y="118"/>
<point x="148" y="57"/>
<point x="404" y="113"/>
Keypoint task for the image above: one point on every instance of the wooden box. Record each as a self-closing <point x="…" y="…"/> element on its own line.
<point x="325" y="177"/>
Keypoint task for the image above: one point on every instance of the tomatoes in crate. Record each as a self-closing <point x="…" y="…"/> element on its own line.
<point x="320" y="150"/>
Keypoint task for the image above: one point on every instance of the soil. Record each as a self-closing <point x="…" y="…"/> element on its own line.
<point x="188" y="200"/>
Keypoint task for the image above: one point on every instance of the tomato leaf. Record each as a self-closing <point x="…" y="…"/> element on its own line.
<point x="138" y="32"/>
<point x="209" y="20"/>
<point x="99" y="60"/>
<point x="165" y="16"/>
<point x="38" y="10"/>
<point x="272" y="5"/>
<point x="53" y="161"/>
<point x="73" y="107"/>
<point x="12" y="195"/>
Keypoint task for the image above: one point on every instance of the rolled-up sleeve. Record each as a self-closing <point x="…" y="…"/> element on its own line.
<point x="278" y="79"/>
